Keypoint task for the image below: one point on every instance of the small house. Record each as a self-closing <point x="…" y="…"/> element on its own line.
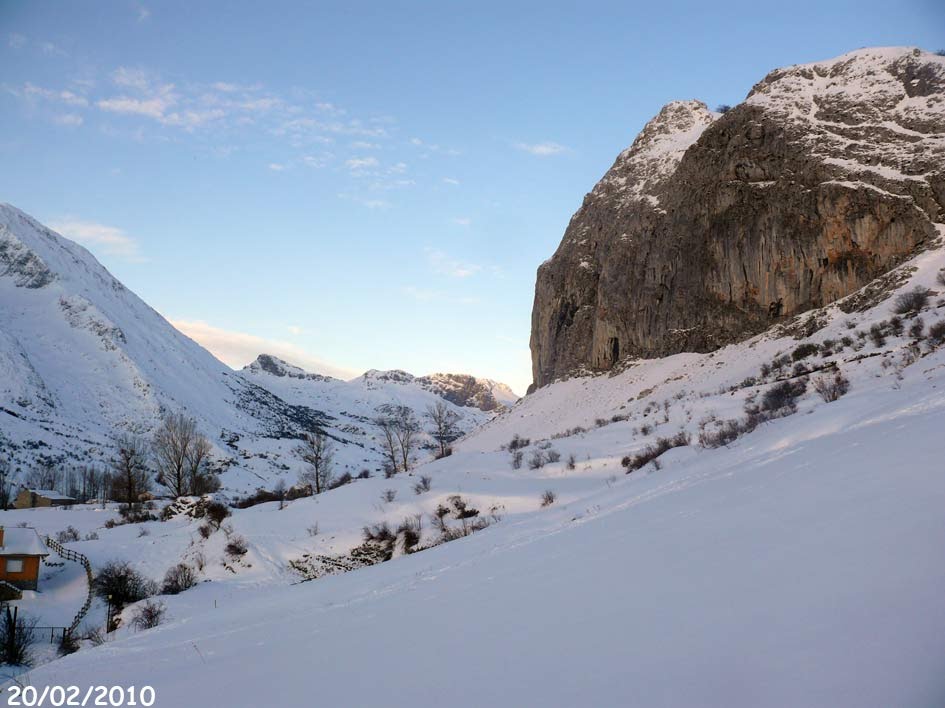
<point x="30" y="498"/>
<point x="21" y="550"/>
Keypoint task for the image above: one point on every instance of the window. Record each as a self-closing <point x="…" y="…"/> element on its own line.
<point x="14" y="565"/>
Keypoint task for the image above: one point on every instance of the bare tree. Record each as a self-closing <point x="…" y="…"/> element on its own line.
<point x="318" y="452"/>
<point x="444" y="420"/>
<point x="6" y="486"/>
<point x="44" y="476"/>
<point x="199" y="479"/>
<point x="406" y="428"/>
<point x="180" y="454"/>
<point x="387" y="427"/>
<point x="130" y="479"/>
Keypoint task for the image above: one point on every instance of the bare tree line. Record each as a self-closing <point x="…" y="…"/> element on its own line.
<point x="176" y="458"/>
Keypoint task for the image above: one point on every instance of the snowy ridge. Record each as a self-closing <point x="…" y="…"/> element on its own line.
<point x="656" y="152"/>
<point x="844" y="106"/>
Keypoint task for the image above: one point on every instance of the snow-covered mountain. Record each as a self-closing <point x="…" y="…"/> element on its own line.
<point x="83" y="359"/>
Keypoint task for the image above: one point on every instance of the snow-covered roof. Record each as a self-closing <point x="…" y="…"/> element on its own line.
<point x="22" y="542"/>
<point x="49" y="493"/>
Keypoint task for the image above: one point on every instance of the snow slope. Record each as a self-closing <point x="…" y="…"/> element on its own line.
<point x="83" y="359"/>
<point x="797" y="566"/>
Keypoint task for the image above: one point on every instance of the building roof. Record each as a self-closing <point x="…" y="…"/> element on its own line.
<point x="49" y="494"/>
<point x="21" y="541"/>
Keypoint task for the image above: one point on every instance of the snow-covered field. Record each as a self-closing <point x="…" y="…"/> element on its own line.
<point x="798" y="566"/>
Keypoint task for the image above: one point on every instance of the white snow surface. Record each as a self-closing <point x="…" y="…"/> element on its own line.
<point x="799" y="566"/>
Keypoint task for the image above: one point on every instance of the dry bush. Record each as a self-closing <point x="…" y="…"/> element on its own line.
<point x="149" y="615"/>
<point x="548" y="497"/>
<point x="177" y="579"/>
<point x="911" y="301"/>
<point x="831" y="388"/>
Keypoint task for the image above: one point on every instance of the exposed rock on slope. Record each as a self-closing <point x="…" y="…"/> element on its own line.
<point x="711" y="227"/>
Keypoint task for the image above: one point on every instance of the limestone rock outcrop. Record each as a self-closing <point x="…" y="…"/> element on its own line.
<point x="711" y="227"/>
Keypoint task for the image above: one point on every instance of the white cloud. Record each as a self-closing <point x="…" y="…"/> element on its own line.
<point x="129" y="77"/>
<point x="451" y="180"/>
<point x="16" y="41"/>
<point x="276" y="166"/>
<point x="108" y="240"/>
<point x="67" y="97"/>
<point x="542" y="149"/>
<point x="445" y="265"/>
<point x="237" y="349"/>
<point x="294" y="329"/>
<point x="360" y="163"/>
<point x="462" y="221"/>
<point x="364" y="145"/>
<point x="144" y="14"/>
<point x="68" y="119"/>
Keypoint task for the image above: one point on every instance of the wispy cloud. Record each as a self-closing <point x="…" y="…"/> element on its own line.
<point x="451" y="180"/>
<point x="542" y="149"/>
<point x="144" y="14"/>
<point x="237" y="349"/>
<point x="107" y="240"/>
<point x="446" y="265"/>
<point x="72" y="120"/>
<point x="361" y="163"/>
<point x="462" y="221"/>
<point x="16" y="41"/>
<point x="277" y="166"/>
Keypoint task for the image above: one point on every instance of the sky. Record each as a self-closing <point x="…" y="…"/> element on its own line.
<point x="356" y="185"/>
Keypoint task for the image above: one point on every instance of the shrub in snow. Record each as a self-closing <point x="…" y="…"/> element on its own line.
<point x="341" y="480"/>
<point x="917" y="328"/>
<point x="422" y="486"/>
<point x="537" y="460"/>
<point x="68" y="644"/>
<point x="517" y="458"/>
<point x="937" y="334"/>
<point x="91" y="536"/>
<point x="518" y="442"/>
<point x="70" y="534"/>
<point x="123" y="583"/>
<point x="803" y="351"/>
<point x="236" y="546"/>
<point x="177" y="579"/>
<point x="911" y="301"/>
<point x="204" y="530"/>
<point x="572" y="461"/>
<point x="364" y="474"/>
<point x="831" y="388"/>
<point x="878" y="334"/>
<point x="388" y="495"/>
<point x="312" y="530"/>
<point x="216" y="513"/>
<point x="781" y="399"/>
<point x="548" y="498"/>
<point x="654" y="450"/>
<point x="149" y="615"/>
<point x="16" y="638"/>
<point x="725" y="432"/>
<point x="552" y="455"/>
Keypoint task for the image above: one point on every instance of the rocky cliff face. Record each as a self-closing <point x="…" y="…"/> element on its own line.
<point x="711" y="227"/>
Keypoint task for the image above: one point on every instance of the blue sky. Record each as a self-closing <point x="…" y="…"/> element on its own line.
<point x="360" y="185"/>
